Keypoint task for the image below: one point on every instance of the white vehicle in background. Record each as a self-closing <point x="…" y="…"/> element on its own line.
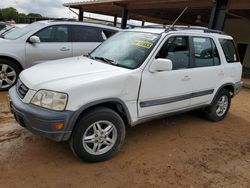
<point x="46" y="40"/>
<point x="133" y="77"/>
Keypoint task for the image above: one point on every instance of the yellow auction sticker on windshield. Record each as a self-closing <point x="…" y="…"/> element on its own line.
<point x="143" y="44"/>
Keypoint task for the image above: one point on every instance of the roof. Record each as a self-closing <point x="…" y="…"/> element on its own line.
<point x="56" y="22"/>
<point x="160" y="11"/>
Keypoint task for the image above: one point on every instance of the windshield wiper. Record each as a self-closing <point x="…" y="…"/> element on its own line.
<point x="106" y="60"/>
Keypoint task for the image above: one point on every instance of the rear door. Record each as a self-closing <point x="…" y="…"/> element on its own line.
<point x="85" y="39"/>
<point x="55" y="44"/>
<point x="207" y="70"/>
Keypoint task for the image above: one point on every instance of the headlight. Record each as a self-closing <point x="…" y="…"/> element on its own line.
<point x="50" y="100"/>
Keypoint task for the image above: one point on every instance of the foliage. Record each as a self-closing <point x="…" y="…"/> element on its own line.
<point x="11" y="13"/>
<point x="34" y="15"/>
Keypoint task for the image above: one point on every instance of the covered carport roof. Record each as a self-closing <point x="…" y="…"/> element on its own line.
<point x="161" y="11"/>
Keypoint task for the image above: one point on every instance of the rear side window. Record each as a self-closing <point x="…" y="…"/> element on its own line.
<point x="109" y="33"/>
<point x="206" y="53"/>
<point x="85" y="34"/>
<point x="229" y="50"/>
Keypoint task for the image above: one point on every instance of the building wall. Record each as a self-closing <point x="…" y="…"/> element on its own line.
<point x="240" y="30"/>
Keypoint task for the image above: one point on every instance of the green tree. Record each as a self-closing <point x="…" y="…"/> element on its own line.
<point x="34" y="15"/>
<point x="9" y="14"/>
<point x="22" y="15"/>
<point x="1" y="15"/>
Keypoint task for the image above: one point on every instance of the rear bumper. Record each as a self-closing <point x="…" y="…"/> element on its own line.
<point x="38" y="120"/>
<point x="237" y="87"/>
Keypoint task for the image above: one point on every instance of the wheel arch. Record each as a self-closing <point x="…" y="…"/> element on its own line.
<point x="114" y="103"/>
<point x="227" y="86"/>
<point x="13" y="60"/>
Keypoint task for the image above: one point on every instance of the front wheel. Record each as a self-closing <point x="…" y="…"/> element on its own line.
<point x="9" y="72"/>
<point x="220" y="107"/>
<point x="99" y="134"/>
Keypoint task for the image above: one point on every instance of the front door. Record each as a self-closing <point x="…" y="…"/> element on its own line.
<point x="54" y="44"/>
<point x="167" y="91"/>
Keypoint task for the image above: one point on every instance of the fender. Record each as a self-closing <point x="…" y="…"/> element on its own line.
<point x="219" y="89"/>
<point x="77" y="114"/>
<point x="13" y="58"/>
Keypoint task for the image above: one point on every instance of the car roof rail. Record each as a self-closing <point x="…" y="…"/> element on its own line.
<point x="154" y="26"/>
<point x="197" y="28"/>
<point x="64" y="19"/>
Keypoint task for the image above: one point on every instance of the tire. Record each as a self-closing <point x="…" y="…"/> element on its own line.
<point x="88" y="137"/>
<point x="9" y="72"/>
<point x="220" y="107"/>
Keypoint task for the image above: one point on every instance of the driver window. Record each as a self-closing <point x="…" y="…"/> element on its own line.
<point x="54" y="34"/>
<point x="177" y="50"/>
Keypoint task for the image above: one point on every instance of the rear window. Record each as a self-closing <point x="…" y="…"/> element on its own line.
<point x="229" y="50"/>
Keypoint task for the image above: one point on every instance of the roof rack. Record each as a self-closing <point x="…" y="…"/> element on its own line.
<point x="64" y="19"/>
<point x="154" y="26"/>
<point x="198" y="28"/>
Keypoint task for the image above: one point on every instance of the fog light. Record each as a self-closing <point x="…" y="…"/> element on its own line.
<point x="58" y="126"/>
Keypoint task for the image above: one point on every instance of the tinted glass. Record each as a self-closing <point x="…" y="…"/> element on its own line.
<point x="54" y="34"/>
<point x="108" y="33"/>
<point x="177" y="50"/>
<point x="229" y="50"/>
<point x="85" y="34"/>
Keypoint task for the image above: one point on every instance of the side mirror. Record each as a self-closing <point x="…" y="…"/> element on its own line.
<point x="34" y="39"/>
<point x="160" y="65"/>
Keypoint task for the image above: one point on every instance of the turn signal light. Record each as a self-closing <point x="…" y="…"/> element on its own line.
<point x="58" y="126"/>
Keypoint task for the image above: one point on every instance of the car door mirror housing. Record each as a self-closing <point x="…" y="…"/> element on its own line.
<point x="34" y="39"/>
<point x="160" y="65"/>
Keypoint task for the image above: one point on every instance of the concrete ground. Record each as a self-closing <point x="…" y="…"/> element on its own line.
<point x="184" y="151"/>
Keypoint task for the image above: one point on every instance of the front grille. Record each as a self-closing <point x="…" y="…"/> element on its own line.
<point x="21" y="89"/>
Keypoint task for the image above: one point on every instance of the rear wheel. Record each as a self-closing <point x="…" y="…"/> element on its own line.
<point x="220" y="107"/>
<point x="9" y="72"/>
<point x="98" y="135"/>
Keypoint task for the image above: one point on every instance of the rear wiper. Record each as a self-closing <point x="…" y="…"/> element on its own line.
<point x="106" y="60"/>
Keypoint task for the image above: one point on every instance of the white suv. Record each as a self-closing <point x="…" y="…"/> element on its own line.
<point x="135" y="76"/>
<point x="46" y="40"/>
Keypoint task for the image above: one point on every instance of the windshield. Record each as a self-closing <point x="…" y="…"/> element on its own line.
<point x="7" y="28"/>
<point x="19" y="32"/>
<point x="126" y="49"/>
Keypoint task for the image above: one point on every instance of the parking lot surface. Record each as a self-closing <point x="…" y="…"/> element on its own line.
<point x="181" y="151"/>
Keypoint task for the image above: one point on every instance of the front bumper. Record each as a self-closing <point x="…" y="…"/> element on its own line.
<point x="40" y="121"/>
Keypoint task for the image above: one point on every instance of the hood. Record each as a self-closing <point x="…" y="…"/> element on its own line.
<point x="63" y="70"/>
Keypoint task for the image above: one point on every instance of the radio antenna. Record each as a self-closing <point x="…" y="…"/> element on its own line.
<point x="177" y="19"/>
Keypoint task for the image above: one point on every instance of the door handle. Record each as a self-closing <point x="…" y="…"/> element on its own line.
<point x="186" y="78"/>
<point x="64" y="49"/>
